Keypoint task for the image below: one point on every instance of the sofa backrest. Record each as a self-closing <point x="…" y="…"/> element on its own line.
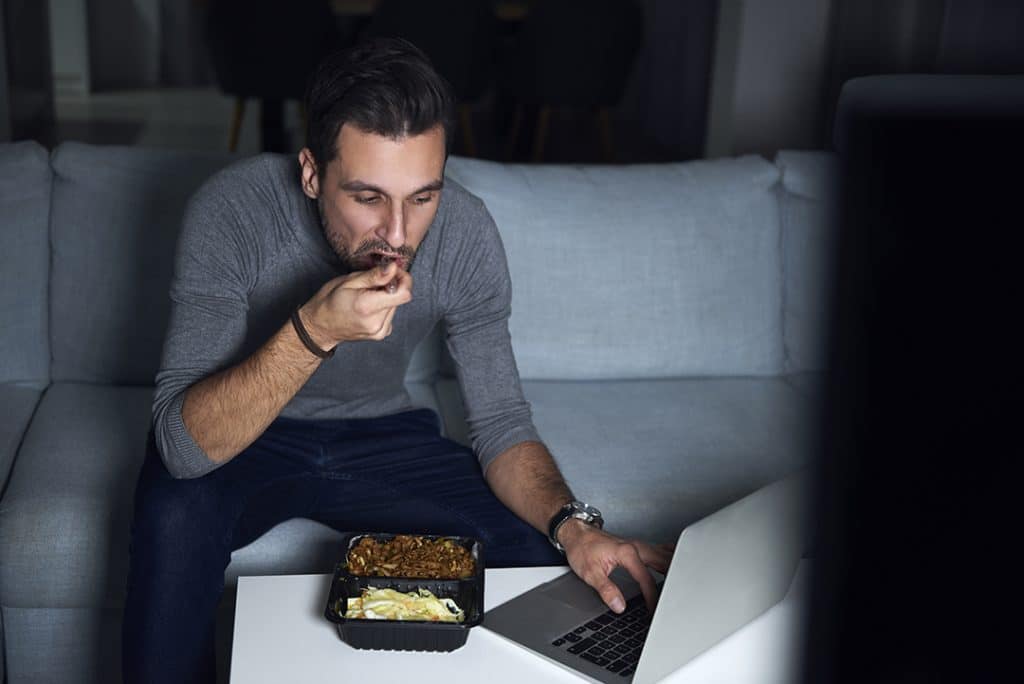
<point x="24" y="264"/>
<point x="808" y="197"/>
<point x="666" y="270"/>
<point x="115" y="222"/>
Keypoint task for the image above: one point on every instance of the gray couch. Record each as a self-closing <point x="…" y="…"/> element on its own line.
<point x="664" y="322"/>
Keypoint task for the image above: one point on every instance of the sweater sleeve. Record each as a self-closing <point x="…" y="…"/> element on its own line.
<point x="477" y="312"/>
<point x="213" y="273"/>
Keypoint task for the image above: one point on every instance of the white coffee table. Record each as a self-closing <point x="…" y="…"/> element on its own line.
<point x="281" y="635"/>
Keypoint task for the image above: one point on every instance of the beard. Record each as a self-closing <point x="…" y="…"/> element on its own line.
<point x="368" y="253"/>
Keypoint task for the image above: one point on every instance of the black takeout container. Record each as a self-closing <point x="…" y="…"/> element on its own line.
<point x="407" y="635"/>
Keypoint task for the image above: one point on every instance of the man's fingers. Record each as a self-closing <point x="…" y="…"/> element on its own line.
<point x="372" y="301"/>
<point x="629" y="558"/>
<point x="390" y="280"/>
<point x="373" y="278"/>
<point x="385" y="327"/>
<point x="657" y="557"/>
<point x="609" y="593"/>
<point x="401" y="281"/>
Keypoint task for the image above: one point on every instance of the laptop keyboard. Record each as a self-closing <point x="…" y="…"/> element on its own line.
<point x="611" y="640"/>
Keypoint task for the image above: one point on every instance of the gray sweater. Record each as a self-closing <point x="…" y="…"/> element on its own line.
<point x="251" y="250"/>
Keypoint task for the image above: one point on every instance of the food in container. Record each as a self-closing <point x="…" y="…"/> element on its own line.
<point x="405" y="555"/>
<point x="388" y="604"/>
<point x="466" y="592"/>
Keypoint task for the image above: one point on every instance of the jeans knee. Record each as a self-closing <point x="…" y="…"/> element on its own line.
<point x="176" y="520"/>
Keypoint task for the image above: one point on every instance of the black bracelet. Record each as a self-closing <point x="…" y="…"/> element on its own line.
<point x="300" y="330"/>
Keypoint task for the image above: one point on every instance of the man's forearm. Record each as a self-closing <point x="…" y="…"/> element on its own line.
<point x="225" y="412"/>
<point x="526" y="479"/>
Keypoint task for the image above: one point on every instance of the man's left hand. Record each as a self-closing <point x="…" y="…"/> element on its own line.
<point x="593" y="553"/>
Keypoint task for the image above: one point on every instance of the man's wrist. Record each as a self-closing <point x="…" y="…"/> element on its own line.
<point x="320" y="338"/>
<point x="571" y="531"/>
<point x="573" y="510"/>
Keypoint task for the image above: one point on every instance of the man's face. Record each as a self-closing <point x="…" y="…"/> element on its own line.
<point x="379" y="195"/>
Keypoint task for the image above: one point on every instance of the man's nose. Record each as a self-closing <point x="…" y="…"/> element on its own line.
<point x="393" y="232"/>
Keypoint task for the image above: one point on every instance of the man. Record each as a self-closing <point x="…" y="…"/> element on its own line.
<point x="298" y="297"/>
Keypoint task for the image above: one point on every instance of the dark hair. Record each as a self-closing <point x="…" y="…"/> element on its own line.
<point x="385" y="86"/>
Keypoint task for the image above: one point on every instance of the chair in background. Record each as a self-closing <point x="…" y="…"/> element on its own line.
<point x="575" y="55"/>
<point x="459" y="38"/>
<point x="266" y="49"/>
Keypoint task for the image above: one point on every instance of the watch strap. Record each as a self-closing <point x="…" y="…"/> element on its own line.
<point x="568" y="512"/>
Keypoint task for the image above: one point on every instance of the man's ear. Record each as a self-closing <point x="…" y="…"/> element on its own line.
<point x="310" y="179"/>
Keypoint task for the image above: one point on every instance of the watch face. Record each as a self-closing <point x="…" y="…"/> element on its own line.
<point x="587" y="509"/>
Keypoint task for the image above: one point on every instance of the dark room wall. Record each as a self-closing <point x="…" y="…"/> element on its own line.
<point x="124" y="44"/>
<point x="26" y="104"/>
<point x="982" y="36"/>
<point x="668" y="91"/>
<point x="5" y="104"/>
<point x="769" y="66"/>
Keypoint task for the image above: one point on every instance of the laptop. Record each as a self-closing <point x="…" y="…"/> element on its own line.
<point x="726" y="570"/>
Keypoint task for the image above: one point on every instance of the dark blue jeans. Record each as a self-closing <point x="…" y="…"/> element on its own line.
<point x="390" y="474"/>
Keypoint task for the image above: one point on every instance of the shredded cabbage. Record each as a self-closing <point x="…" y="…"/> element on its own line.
<point x="388" y="604"/>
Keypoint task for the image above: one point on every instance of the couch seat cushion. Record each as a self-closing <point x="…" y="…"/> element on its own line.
<point x="297" y="546"/>
<point x="17" y="404"/>
<point x="65" y="516"/>
<point x="66" y="645"/>
<point x="657" y="455"/>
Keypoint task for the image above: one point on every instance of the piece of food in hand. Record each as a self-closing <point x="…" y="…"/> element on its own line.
<point x="392" y="286"/>
<point x="389" y="604"/>
<point x="411" y="556"/>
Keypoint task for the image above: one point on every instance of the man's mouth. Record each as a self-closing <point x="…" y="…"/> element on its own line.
<point x="373" y="254"/>
<point x="383" y="258"/>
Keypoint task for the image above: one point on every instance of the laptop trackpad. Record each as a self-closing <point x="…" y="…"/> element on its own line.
<point x="572" y="591"/>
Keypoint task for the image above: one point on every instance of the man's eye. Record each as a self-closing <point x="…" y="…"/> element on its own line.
<point x="367" y="199"/>
<point x="423" y="199"/>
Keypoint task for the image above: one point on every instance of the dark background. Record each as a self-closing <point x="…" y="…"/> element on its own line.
<point x="709" y="78"/>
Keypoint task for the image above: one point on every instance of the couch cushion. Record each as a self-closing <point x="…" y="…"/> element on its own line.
<point x="116" y="215"/>
<point x="88" y="641"/>
<point x="657" y="455"/>
<point x="24" y="263"/>
<point x="66" y="512"/>
<point x="71" y="645"/>
<point x="645" y="271"/>
<point x="17" y="403"/>
<point x="808" y="198"/>
<point x="296" y="546"/>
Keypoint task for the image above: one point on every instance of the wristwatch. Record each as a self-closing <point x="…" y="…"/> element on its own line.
<point x="577" y="510"/>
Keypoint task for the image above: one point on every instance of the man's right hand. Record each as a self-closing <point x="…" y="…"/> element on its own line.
<point x="356" y="306"/>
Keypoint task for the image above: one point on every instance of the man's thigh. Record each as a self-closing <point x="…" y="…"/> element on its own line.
<point x="269" y="482"/>
<point x="415" y="481"/>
